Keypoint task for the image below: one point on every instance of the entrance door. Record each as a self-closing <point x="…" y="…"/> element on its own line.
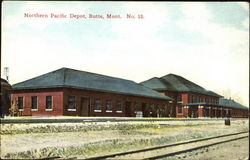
<point x="127" y="109"/>
<point x="195" y="110"/>
<point x="212" y="112"/>
<point x="85" y="107"/>
<point x="144" y="110"/>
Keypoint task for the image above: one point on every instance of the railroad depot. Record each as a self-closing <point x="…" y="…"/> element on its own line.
<point x="69" y="92"/>
<point x="192" y="100"/>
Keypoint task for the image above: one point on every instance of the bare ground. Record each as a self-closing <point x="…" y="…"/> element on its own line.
<point x="23" y="141"/>
<point x="235" y="150"/>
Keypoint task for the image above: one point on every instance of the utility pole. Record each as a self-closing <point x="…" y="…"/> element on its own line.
<point x="6" y="73"/>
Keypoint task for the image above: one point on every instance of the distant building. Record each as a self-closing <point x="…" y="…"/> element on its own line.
<point x="68" y="92"/>
<point x="192" y="100"/>
<point x="233" y="108"/>
<point x="5" y="97"/>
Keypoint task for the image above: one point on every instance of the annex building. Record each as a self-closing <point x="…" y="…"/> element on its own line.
<point x="192" y="100"/>
<point x="69" y="92"/>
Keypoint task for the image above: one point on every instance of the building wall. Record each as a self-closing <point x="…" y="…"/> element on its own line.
<point x="162" y="108"/>
<point x="184" y="98"/>
<point x="239" y="113"/>
<point x="200" y="111"/>
<point x="200" y="98"/>
<point x="91" y="96"/>
<point x="5" y="100"/>
<point x="85" y="103"/>
<point x="57" y="99"/>
<point x="221" y="112"/>
<point x="173" y="103"/>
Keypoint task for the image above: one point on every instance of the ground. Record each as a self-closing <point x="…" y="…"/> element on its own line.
<point x="83" y="140"/>
<point x="236" y="150"/>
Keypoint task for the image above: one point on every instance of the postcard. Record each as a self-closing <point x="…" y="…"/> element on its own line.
<point x="124" y="80"/>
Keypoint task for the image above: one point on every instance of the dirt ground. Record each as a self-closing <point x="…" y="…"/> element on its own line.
<point x="235" y="150"/>
<point x="34" y="141"/>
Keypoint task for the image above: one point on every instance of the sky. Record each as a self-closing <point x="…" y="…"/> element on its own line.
<point x="204" y="42"/>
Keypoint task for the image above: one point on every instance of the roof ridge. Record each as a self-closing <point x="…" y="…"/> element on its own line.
<point x="64" y="69"/>
<point x="231" y="103"/>
<point x="150" y="79"/>
<point x="98" y="74"/>
<point x="177" y="83"/>
<point x="168" y="83"/>
<point x="64" y="75"/>
<point x="191" y="82"/>
<point x="39" y="76"/>
<point x="153" y="90"/>
<point x="67" y="77"/>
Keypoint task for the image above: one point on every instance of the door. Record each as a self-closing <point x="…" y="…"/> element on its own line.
<point x="195" y="110"/>
<point x="127" y="109"/>
<point x="85" y="107"/>
<point x="144" y="110"/>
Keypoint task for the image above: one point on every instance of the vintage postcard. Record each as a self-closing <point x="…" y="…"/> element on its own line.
<point x="124" y="80"/>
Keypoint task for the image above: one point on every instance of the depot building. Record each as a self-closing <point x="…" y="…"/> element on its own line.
<point x="192" y="100"/>
<point x="69" y="92"/>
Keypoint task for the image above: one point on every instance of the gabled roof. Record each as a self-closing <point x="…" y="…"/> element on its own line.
<point x="71" y="78"/>
<point x="5" y="83"/>
<point x="172" y="82"/>
<point x="231" y="103"/>
<point x="222" y="103"/>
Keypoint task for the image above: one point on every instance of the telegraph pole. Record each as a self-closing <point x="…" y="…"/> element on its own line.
<point x="6" y="73"/>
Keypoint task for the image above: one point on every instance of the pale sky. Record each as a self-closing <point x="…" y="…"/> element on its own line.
<point x="204" y="42"/>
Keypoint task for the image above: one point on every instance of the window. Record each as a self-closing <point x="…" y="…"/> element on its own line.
<point x="189" y="98"/>
<point x="192" y="99"/>
<point x="198" y="99"/>
<point x="71" y="103"/>
<point x="179" y="109"/>
<point x="48" y="102"/>
<point x="118" y="106"/>
<point x="152" y="107"/>
<point x="97" y="105"/>
<point x="179" y="98"/>
<point x="136" y="107"/>
<point x="108" y="106"/>
<point x="20" y="103"/>
<point x="34" y="103"/>
<point x="205" y="100"/>
<point x="159" y="110"/>
<point x="216" y="102"/>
